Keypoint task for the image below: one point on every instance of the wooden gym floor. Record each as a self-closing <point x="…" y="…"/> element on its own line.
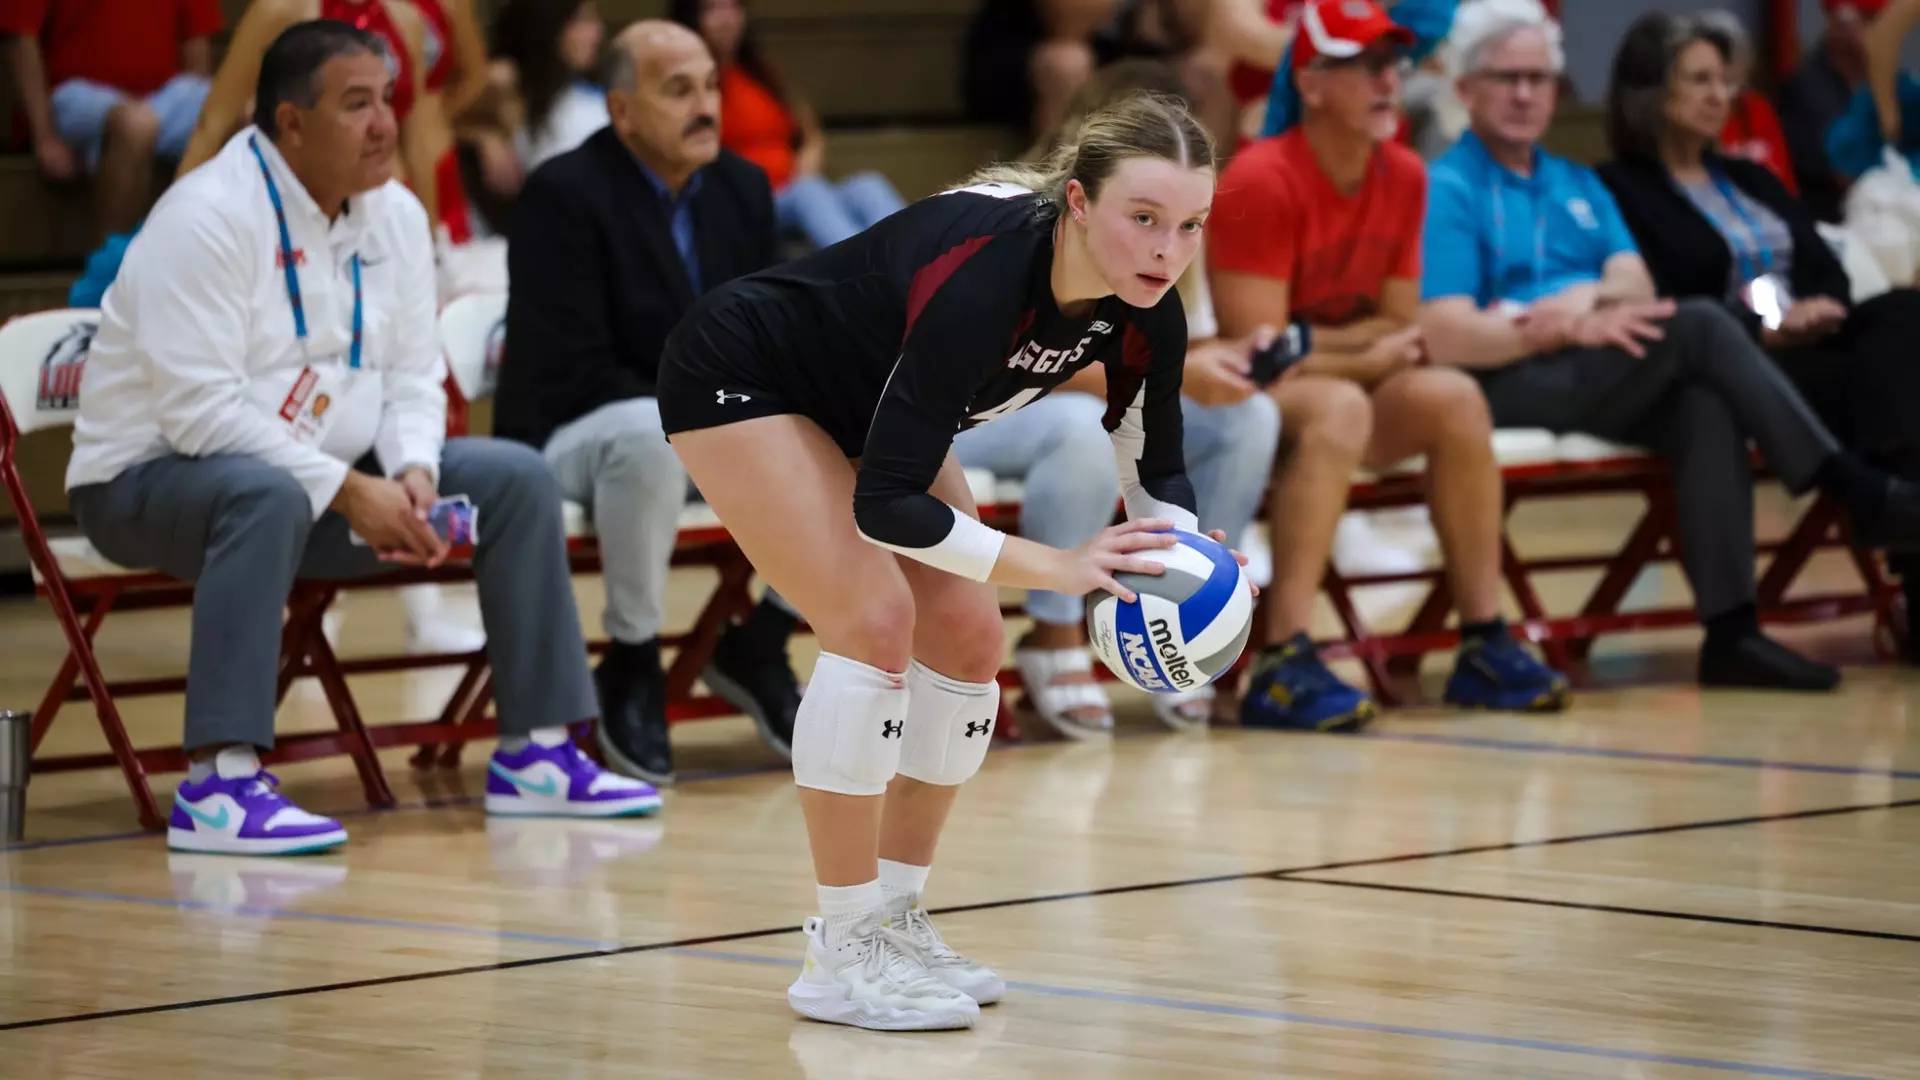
<point x="1657" y="884"/>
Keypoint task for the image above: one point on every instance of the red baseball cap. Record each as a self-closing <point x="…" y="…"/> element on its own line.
<point x="1339" y="29"/>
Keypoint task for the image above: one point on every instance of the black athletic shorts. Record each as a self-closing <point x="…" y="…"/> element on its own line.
<point x="718" y="366"/>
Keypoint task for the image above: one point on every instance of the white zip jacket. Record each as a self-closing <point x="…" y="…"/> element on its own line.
<point x="196" y="352"/>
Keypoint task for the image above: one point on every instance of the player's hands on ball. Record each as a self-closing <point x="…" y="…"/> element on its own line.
<point x="1220" y="538"/>
<point x="1115" y="550"/>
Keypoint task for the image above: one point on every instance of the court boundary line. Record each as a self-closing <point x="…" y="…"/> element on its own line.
<point x="1536" y="746"/>
<point x="1118" y="890"/>
<point x="1609" y="909"/>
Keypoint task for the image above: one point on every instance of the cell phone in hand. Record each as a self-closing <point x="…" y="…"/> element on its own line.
<point x="1288" y="348"/>
<point x="455" y="520"/>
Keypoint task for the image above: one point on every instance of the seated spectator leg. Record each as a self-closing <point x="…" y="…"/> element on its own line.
<point x="177" y="104"/>
<point x="1230" y="451"/>
<point x="1060" y="451"/>
<point x="869" y="197"/>
<point x="1326" y="424"/>
<point x="1440" y="412"/>
<point x="1203" y="71"/>
<point x="616" y="462"/>
<point x="238" y="529"/>
<point x="520" y="569"/>
<point x="1694" y="398"/>
<point x="813" y="205"/>
<point x="124" y="179"/>
<point x="1058" y="68"/>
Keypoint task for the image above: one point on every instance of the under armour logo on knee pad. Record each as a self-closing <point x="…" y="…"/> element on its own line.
<point x="890" y="729"/>
<point x="979" y="727"/>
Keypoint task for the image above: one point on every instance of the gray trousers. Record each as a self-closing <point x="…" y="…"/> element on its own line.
<point x="1695" y="400"/>
<point x="616" y="462"/>
<point x="241" y="531"/>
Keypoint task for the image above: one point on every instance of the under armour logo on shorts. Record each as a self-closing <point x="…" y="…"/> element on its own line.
<point x="890" y="729"/>
<point x="723" y="397"/>
<point x="979" y="727"/>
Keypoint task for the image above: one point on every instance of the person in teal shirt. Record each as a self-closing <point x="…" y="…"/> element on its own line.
<point x="1533" y="284"/>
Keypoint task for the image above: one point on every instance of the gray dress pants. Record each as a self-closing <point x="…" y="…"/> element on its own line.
<point x="241" y="531"/>
<point x="1695" y="400"/>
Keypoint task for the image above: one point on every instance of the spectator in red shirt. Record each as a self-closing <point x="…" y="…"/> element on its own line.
<point x="1753" y="130"/>
<point x="1320" y="227"/>
<point x="113" y="83"/>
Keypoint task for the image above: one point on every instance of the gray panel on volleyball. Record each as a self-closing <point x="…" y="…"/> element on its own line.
<point x="1220" y="661"/>
<point x="1174" y="585"/>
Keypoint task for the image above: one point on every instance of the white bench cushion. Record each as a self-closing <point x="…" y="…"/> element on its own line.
<point x="1586" y="448"/>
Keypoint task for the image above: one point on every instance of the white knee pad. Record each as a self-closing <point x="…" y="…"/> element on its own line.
<point x="949" y="726"/>
<point x="850" y="727"/>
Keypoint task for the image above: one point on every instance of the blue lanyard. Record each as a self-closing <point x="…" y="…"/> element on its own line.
<point x="293" y="277"/>
<point x="1756" y="258"/>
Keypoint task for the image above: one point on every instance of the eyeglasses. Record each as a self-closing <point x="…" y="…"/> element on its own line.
<point x="1515" y="78"/>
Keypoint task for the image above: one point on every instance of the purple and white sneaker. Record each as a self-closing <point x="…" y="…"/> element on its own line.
<point x="246" y="815"/>
<point x="560" y="781"/>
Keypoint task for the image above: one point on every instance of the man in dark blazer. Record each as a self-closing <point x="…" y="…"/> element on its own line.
<point x="611" y="243"/>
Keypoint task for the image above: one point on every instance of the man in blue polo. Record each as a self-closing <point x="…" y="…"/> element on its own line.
<point x="1533" y="284"/>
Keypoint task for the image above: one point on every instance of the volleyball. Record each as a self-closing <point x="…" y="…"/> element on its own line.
<point x="1187" y="626"/>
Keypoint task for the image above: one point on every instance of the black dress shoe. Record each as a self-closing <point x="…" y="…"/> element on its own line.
<point x="1757" y="662"/>
<point x="632" y="732"/>
<point x="1896" y="527"/>
<point x="757" y="679"/>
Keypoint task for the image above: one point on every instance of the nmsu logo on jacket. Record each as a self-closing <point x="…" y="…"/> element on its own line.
<point x="60" y="372"/>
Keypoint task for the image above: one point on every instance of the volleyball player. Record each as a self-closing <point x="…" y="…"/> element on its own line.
<point x="814" y="405"/>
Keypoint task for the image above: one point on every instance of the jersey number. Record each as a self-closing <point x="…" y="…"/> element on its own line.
<point x="1012" y="404"/>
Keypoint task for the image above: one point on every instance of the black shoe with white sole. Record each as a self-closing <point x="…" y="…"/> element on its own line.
<point x="632" y="732"/>
<point x="758" y="680"/>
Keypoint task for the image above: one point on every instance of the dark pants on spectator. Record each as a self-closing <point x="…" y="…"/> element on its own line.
<point x="1864" y="381"/>
<point x="241" y="531"/>
<point x="1695" y="399"/>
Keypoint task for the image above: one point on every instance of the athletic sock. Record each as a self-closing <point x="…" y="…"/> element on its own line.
<point x="547" y="736"/>
<point x="902" y="883"/>
<point x="232" y="762"/>
<point x="1495" y="627"/>
<point x="847" y="906"/>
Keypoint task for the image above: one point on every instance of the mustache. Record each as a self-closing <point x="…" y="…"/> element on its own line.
<point x="699" y="124"/>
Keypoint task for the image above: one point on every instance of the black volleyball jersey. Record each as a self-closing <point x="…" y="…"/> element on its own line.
<point x="937" y="319"/>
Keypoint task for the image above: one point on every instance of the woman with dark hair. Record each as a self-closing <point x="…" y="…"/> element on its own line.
<point x="1726" y="228"/>
<point x="553" y="49"/>
<point x="765" y="121"/>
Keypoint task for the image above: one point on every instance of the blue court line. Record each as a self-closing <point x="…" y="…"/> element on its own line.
<point x="1525" y="746"/>
<point x="309" y="916"/>
<point x="1184" y="1005"/>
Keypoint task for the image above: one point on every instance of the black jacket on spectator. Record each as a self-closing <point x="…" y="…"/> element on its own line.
<point x="1864" y="379"/>
<point x="1684" y="249"/>
<point x="596" y="283"/>
<point x="1811" y="99"/>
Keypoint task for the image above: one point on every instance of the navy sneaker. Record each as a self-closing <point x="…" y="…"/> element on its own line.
<point x="1292" y="689"/>
<point x="1495" y="672"/>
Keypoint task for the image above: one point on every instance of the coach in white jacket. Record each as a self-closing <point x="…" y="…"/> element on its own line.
<point x="263" y="401"/>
